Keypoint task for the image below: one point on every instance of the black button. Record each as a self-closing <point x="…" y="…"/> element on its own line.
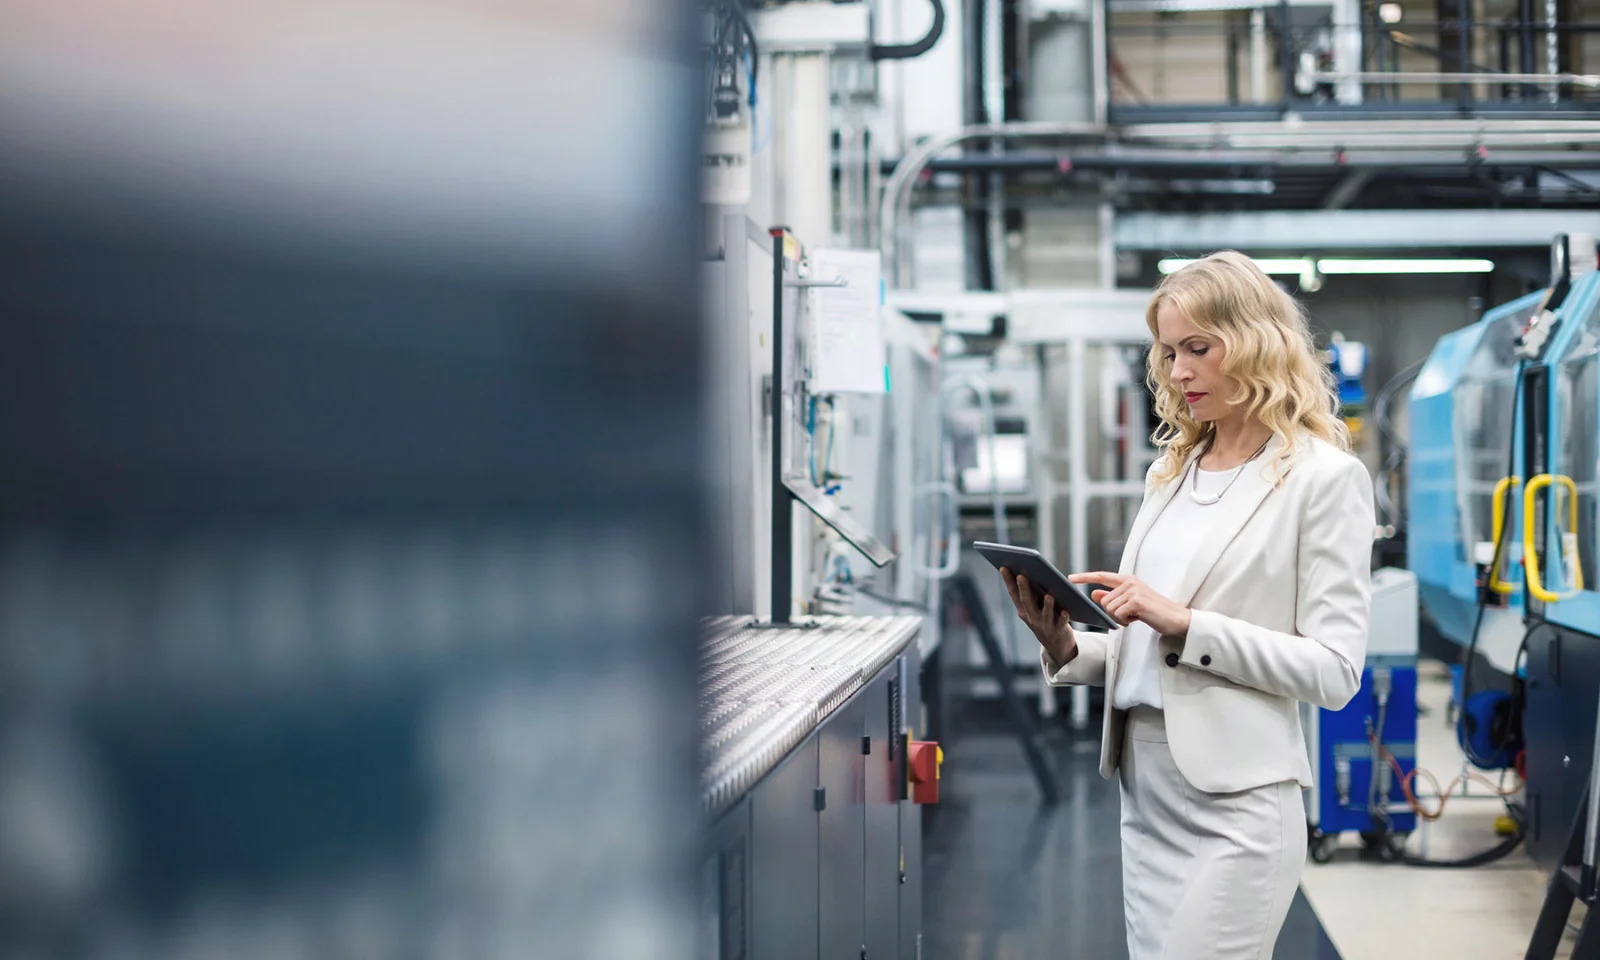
<point x="1205" y="661"/>
<point x="1172" y="659"/>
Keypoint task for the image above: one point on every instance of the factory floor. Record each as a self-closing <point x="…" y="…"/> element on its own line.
<point x="1010" y="879"/>
<point x="1373" y="910"/>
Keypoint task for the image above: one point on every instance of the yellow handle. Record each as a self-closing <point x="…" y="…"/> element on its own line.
<point x="1495" y="583"/>
<point x="1530" y="559"/>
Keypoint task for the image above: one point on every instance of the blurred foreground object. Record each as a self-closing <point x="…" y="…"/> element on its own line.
<point x="350" y="479"/>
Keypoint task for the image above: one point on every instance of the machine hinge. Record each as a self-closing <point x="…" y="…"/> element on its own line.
<point x="866" y="746"/>
<point x="819" y="799"/>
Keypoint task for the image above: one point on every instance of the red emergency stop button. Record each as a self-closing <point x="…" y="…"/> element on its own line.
<point x="926" y="758"/>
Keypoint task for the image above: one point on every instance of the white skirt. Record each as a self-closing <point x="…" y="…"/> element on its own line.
<point x="1205" y="876"/>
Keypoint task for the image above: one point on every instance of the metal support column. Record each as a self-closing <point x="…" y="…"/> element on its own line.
<point x="802" y="133"/>
<point x="1286" y="51"/>
<point x="1044" y="515"/>
<point x="782" y="509"/>
<point x="1077" y="497"/>
<point x="1258" y="55"/>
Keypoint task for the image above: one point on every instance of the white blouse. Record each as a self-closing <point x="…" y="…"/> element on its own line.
<point x="1161" y="563"/>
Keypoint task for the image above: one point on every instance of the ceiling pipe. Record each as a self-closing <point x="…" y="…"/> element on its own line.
<point x="896" y="205"/>
<point x="1370" y="134"/>
<point x="1252" y="163"/>
<point x="1292" y="137"/>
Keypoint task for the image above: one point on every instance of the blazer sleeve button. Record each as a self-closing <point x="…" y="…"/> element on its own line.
<point x="1172" y="659"/>
<point x="1205" y="661"/>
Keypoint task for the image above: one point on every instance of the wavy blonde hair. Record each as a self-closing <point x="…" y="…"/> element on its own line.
<point x="1267" y="349"/>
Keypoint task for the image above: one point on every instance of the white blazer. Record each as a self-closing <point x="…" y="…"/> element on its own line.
<point x="1281" y="594"/>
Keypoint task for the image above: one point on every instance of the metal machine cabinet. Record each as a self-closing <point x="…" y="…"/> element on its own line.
<point x="910" y="879"/>
<point x="784" y="914"/>
<point x="1344" y="760"/>
<point x="843" y="831"/>
<point x="725" y="887"/>
<point x="882" y="780"/>
<point x="1563" y="677"/>
<point x="1344" y="798"/>
<point x="812" y="853"/>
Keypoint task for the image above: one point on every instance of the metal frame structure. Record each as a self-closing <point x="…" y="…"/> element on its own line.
<point x="1073" y="320"/>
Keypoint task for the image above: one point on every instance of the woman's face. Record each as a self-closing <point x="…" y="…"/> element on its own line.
<point x="1195" y="362"/>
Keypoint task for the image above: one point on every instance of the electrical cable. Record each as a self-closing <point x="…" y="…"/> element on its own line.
<point x="827" y="455"/>
<point x="1498" y="852"/>
<point x="735" y="9"/>
<point x="1496" y="561"/>
<point x="908" y="51"/>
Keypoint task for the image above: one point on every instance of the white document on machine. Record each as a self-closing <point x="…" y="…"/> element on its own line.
<point x="848" y="354"/>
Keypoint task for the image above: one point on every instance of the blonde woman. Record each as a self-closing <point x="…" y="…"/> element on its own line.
<point x="1244" y="589"/>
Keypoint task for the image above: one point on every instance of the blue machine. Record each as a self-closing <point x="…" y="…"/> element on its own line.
<point x="1463" y="411"/>
<point x="1505" y="425"/>
<point x="1376" y="731"/>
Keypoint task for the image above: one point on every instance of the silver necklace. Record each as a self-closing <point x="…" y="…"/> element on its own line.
<point x="1194" y="478"/>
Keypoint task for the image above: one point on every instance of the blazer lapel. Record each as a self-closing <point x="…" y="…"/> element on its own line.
<point x="1255" y="482"/>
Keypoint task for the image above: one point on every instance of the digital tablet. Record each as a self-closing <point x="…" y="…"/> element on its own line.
<point x="1043" y="576"/>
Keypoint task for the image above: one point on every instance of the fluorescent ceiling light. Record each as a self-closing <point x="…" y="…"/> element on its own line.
<point x="1305" y="265"/>
<point x="1463" y="265"/>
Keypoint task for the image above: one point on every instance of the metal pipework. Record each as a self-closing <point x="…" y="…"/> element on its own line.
<point x="896" y="204"/>
<point x="1370" y="134"/>
<point x="1589" y="81"/>
<point x="895" y="207"/>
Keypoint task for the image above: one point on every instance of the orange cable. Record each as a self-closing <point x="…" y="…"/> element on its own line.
<point x="1444" y="795"/>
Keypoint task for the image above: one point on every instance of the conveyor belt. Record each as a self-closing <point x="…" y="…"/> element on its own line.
<point x="763" y="690"/>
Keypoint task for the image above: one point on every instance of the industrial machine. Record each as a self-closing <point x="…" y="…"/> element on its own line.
<point x="813" y="742"/>
<point x="1504" y="421"/>
<point x="826" y="442"/>
<point x="1361" y="754"/>
<point x="1462" y="416"/>
<point x="811" y="788"/>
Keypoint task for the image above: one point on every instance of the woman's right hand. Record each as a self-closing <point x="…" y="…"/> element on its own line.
<point x="1048" y="624"/>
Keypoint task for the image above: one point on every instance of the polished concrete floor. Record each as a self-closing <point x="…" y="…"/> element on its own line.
<point x="1011" y="879"/>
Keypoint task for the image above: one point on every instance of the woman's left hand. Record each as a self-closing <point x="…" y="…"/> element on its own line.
<point x="1131" y="599"/>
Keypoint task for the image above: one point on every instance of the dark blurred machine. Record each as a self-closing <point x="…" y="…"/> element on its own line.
<point x="350" y="486"/>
